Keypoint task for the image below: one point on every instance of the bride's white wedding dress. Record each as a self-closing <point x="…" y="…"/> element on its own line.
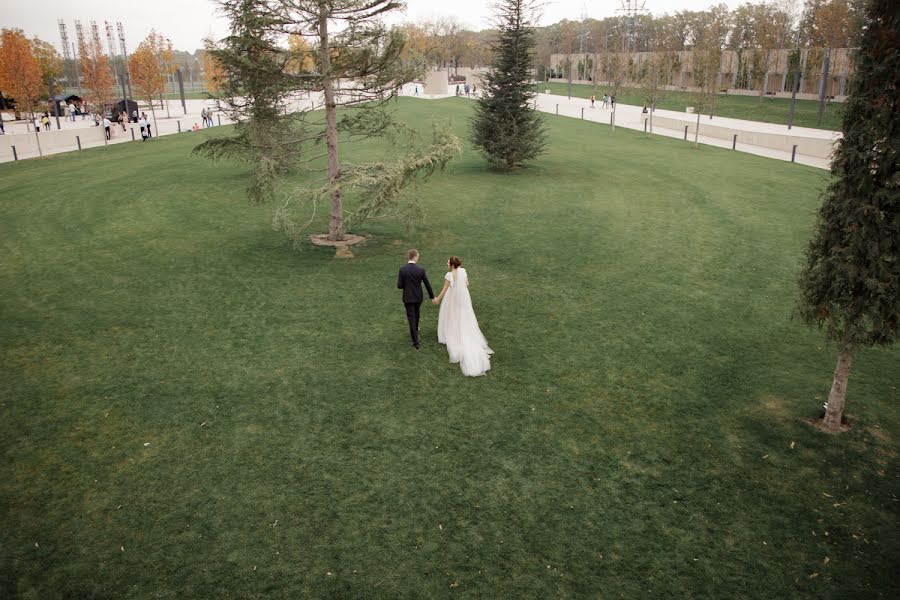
<point x="458" y="327"/>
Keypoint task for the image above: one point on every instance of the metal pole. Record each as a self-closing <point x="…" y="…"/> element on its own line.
<point x="582" y="112"/>
<point x="179" y="126"/>
<point x="37" y="137"/>
<point x="557" y="109"/>
<point x="132" y="133"/>
<point x="794" y="153"/>
<point x="181" y="89"/>
<point x="734" y="143"/>
<point x="78" y="141"/>
<point x="55" y="104"/>
<point x="15" y="156"/>
<point x="645" y="125"/>
<point x="219" y="118"/>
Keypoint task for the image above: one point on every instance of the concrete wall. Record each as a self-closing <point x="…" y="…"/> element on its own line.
<point x="820" y="148"/>
<point x="52" y="142"/>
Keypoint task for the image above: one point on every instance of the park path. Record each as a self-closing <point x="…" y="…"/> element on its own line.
<point x="182" y="120"/>
<point x="631" y="117"/>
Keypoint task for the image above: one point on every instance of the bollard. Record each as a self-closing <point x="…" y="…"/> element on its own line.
<point x="645" y="125"/>
<point x="105" y="138"/>
<point x="132" y="134"/>
<point x="685" y="132"/>
<point x="219" y="117"/>
<point x="734" y="143"/>
<point x="582" y="112"/>
<point x="557" y="109"/>
<point x="610" y="118"/>
<point x="78" y="141"/>
<point x="179" y="127"/>
<point x="794" y="153"/>
<point x="16" y="156"/>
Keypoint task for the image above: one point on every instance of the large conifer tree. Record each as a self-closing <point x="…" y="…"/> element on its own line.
<point x="506" y="127"/>
<point x="254" y="88"/>
<point x="851" y="282"/>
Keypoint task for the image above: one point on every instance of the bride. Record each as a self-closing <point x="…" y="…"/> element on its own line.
<point x="457" y="325"/>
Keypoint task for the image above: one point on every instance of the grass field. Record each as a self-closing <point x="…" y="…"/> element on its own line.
<point x="751" y="108"/>
<point x="192" y="409"/>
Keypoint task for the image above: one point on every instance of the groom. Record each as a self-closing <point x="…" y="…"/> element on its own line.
<point x="410" y="280"/>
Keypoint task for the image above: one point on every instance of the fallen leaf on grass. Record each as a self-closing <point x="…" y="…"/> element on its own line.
<point x="792" y="445"/>
<point x="455" y="584"/>
<point x="122" y="548"/>
<point x="826" y="561"/>
<point x="36" y="545"/>
<point x="146" y="444"/>
<point x="814" y="575"/>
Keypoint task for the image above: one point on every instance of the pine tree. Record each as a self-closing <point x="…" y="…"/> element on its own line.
<point x="253" y="92"/>
<point x="851" y="282"/>
<point x="506" y="127"/>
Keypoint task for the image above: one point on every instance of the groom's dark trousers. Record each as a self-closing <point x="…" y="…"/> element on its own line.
<point x="410" y="280"/>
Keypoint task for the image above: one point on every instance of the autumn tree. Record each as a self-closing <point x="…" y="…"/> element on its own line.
<point x="96" y="74"/>
<point x="850" y="285"/>
<point x="568" y="35"/>
<point x="20" y="70"/>
<point x="705" y="66"/>
<point x="832" y="26"/>
<point x="146" y="73"/>
<point x="213" y="73"/>
<point x="302" y="58"/>
<point x="50" y="62"/>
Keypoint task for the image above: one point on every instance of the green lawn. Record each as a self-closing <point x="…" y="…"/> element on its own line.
<point x="192" y="409"/>
<point x="767" y="110"/>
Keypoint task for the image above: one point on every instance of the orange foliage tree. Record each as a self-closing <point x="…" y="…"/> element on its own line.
<point x="147" y="73"/>
<point x="96" y="74"/>
<point x="20" y="71"/>
<point x="213" y="73"/>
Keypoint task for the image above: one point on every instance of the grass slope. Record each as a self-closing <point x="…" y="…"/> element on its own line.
<point x="751" y="108"/>
<point x="192" y="409"/>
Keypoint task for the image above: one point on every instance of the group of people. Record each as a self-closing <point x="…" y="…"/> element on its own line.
<point x="72" y="109"/>
<point x="42" y="121"/>
<point x="106" y="123"/>
<point x="207" y="115"/>
<point x="607" y="101"/>
<point x="465" y="90"/>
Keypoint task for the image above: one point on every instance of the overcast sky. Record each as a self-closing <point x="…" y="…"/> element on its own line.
<point x="187" y="22"/>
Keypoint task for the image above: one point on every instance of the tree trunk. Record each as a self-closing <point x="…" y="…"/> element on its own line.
<point x="153" y="112"/>
<point x="336" y="225"/>
<point x="835" y="409"/>
<point x="697" y="130"/>
<point x="823" y="86"/>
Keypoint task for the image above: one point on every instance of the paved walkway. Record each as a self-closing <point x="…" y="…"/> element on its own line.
<point x="627" y="116"/>
<point x="631" y="117"/>
<point x="63" y="139"/>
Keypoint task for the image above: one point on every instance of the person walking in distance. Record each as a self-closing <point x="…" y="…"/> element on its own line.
<point x="410" y="280"/>
<point x="592" y="100"/>
<point x="106" y="124"/>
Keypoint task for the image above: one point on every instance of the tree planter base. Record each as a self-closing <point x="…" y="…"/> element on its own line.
<point x="341" y="247"/>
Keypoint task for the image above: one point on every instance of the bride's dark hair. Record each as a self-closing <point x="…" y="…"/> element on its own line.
<point x="455" y="262"/>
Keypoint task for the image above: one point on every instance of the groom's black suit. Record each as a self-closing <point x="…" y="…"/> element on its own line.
<point x="410" y="280"/>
